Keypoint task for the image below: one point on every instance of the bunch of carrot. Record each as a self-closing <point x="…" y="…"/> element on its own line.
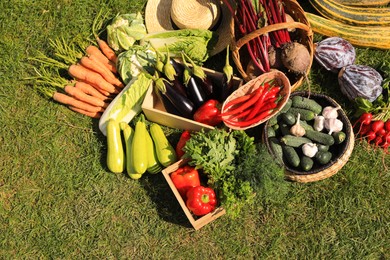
<point x="94" y="82"/>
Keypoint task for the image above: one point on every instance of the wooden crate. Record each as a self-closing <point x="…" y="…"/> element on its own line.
<point x="197" y="222"/>
<point x="155" y="111"/>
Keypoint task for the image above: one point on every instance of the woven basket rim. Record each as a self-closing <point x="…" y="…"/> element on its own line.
<point x="336" y="164"/>
<point x="249" y="87"/>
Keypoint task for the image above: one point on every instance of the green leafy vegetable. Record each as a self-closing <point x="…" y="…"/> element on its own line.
<point x="127" y="104"/>
<point x="125" y="30"/>
<point x="231" y="162"/>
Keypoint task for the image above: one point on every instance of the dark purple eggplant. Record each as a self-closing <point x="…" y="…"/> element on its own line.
<point x="207" y="85"/>
<point x="195" y="92"/>
<point x="169" y="107"/>
<point x="183" y="104"/>
<point x="226" y="88"/>
<point x="179" y="68"/>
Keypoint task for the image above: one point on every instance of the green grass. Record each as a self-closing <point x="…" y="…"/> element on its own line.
<point x="58" y="200"/>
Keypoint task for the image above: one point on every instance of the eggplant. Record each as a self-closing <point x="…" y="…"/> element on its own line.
<point x="207" y="86"/>
<point x="226" y="88"/>
<point x="169" y="107"/>
<point x="195" y="92"/>
<point x="183" y="104"/>
<point x="179" y="68"/>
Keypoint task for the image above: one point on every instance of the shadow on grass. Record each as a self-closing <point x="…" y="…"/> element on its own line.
<point x="155" y="185"/>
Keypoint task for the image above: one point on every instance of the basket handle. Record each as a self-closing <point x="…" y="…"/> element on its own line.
<point x="270" y="28"/>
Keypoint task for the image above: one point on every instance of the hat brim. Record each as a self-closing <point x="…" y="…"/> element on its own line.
<point x="158" y="19"/>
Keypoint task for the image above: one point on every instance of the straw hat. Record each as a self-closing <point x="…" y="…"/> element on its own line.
<point x="164" y="15"/>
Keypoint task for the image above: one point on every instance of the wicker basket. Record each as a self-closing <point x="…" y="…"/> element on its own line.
<point x="343" y="151"/>
<point x="303" y="34"/>
<point x="250" y="86"/>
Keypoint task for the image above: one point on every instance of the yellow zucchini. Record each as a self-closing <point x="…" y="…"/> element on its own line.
<point x="166" y="154"/>
<point x="115" y="152"/>
<point x="138" y="154"/>
<point x="153" y="165"/>
<point x="128" y="135"/>
<point x="362" y="36"/>
<point x="363" y="2"/>
<point x="353" y="15"/>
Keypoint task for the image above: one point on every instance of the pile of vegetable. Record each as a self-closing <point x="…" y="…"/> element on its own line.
<point x="199" y="199"/>
<point x="277" y="49"/>
<point x="367" y="87"/>
<point x="230" y="161"/>
<point x="306" y="134"/>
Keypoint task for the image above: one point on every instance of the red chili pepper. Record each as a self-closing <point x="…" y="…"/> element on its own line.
<point x="209" y="113"/>
<point x="239" y="100"/>
<point x="201" y="200"/>
<point x="260" y="102"/>
<point x="185" y="178"/>
<point x="261" y="115"/>
<point x="184" y="137"/>
<point x="248" y="103"/>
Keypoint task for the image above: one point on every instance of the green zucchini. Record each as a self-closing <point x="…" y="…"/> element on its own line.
<point x="153" y="164"/>
<point x="291" y="155"/>
<point x="339" y="137"/>
<point x="166" y="154"/>
<point x="306" y="103"/>
<point x="306" y="163"/>
<point x="320" y="137"/>
<point x="128" y="135"/>
<point x="115" y="152"/>
<point x="294" y="141"/>
<point x="306" y="114"/>
<point x="138" y="147"/>
<point x="323" y="157"/>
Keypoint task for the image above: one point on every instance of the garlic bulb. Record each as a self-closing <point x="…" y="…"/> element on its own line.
<point x="330" y="112"/>
<point x="318" y="123"/>
<point x="297" y="129"/>
<point x="333" y="125"/>
<point x="309" y="149"/>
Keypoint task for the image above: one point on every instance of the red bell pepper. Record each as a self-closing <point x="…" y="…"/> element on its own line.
<point x="209" y="113"/>
<point x="184" y="137"/>
<point x="185" y="178"/>
<point x="201" y="200"/>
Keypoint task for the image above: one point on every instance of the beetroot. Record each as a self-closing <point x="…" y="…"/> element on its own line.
<point x="296" y="57"/>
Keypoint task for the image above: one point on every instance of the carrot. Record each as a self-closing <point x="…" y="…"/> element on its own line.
<point x="99" y="67"/>
<point x="90" y="90"/>
<point x="71" y="101"/>
<point x="86" y="113"/>
<point x="93" y="50"/>
<point x="107" y="50"/>
<point x="79" y="72"/>
<point x="80" y="95"/>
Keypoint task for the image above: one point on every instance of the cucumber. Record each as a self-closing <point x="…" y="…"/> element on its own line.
<point x="322" y="147"/>
<point x="274" y="120"/>
<point x="288" y="118"/>
<point x="270" y="132"/>
<point x="339" y="137"/>
<point x="291" y="156"/>
<point x="305" y="125"/>
<point x="294" y="141"/>
<point x="284" y="129"/>
<point x="323" y="157"/>
<point x="306" y="103"/>
<point x="320" y="137"/>
<point x="276" y="148"/>
<point x="306" y="163"/>
<point x="306" y="114"/>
